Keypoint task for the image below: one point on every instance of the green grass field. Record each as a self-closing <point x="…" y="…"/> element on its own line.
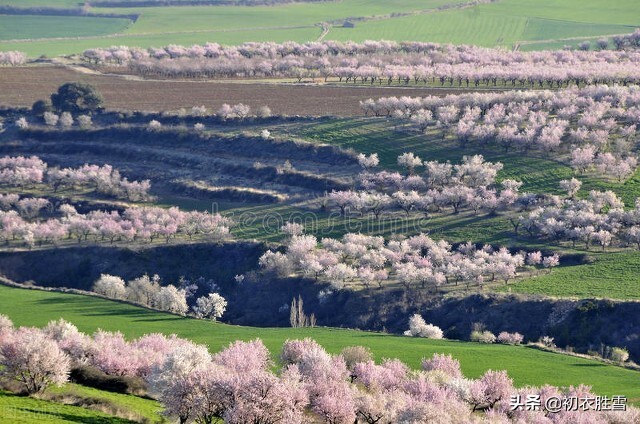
<point x="134" y="407"/>
<point x="36" y="308"/>
<point x="613" y="275"/>
<point x="18" y="410"/>
<point x="546" y="23"/>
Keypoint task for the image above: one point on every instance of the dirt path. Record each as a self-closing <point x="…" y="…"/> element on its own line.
<point x="326" y="27"/>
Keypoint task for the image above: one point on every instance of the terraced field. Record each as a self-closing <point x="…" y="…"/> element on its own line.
<point x="167" y="160"/>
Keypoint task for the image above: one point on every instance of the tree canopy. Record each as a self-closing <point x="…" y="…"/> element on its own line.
<point x="77" y="97"/>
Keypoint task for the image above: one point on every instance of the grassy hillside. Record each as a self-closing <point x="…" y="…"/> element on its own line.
<point x="75" y="403"/>
<point x="36" y="308"/>
<point x="613" y="275"/>
<point x="26" y="410"/>
<point x="504" y="23"/>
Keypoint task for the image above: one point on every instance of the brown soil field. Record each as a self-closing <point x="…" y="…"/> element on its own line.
<point x="21" y="86"/>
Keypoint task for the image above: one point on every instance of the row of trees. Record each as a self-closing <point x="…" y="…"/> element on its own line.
<point x="597" y="124"/>
<point x="599" y="219"/>
<point x="66" y="120"/>
<point x="142" y="224"/>
<point x="417" y="261"/>
<point x="631" y="41"/>
<point x="28" y="207"/>
<point x="418" y="327"/>
<point x="226" y="111"/>
<point x="25" y="172"/>
<point x="238" y="384"/>
<point x="468" y="185"/>
<point x="148" y="291"/>
<point x="377" y="61"/>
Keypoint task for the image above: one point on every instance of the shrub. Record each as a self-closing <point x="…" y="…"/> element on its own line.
<point x="546" y="341"/>
<point x="618" y="354"/>
<point x="93" y="377"/>
<point x="51" y="119"/>
<point x="263" y="112"/>
<point x="198" y="111"/>
<point x="84" y="121"/>
<point x="154" y="125"/>
<point x="482" y="337"/>
<point x="22" y="123"/>
<point x="510" y="338"/>
<point x="66" y="120"/>
<point x="419" y="328"/>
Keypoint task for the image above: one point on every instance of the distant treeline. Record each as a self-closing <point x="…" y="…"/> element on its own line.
<point x="160" y="3"/>
<point x="54" y="11"/>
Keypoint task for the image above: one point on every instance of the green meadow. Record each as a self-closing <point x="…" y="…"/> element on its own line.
<point x="36" y="308"/>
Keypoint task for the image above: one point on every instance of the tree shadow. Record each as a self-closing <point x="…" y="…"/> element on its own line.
<point x="589" y="365"/>
<point x="77" y="418"/>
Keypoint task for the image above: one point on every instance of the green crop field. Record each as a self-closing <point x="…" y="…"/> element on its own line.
<point x="36" y="3"/>
<point x="484" y="29"/>
<point x="26" y="27"/>
<point x="36" y="308"/>
<point x="506" y="23"/>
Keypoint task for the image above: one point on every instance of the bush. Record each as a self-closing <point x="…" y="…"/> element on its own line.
<point x="93" y="377"/>
<point x="510" y="338"/>
<point x="482" y="337"/>
<point x="66" y="120"/>
<point x="263" y="112"/>
<point x="618" y="354"/>
<point x="22" y="123"/>
<point x="546" y="341"/>
<point x="198" y="111"/>
<point x="419" y="328"/>
<point x="51" y="119"/>
<point x="154" y="125"/>
<point x="84" y="121"/>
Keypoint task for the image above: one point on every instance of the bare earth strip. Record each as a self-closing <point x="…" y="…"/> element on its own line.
<point x="23" y="85"/>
